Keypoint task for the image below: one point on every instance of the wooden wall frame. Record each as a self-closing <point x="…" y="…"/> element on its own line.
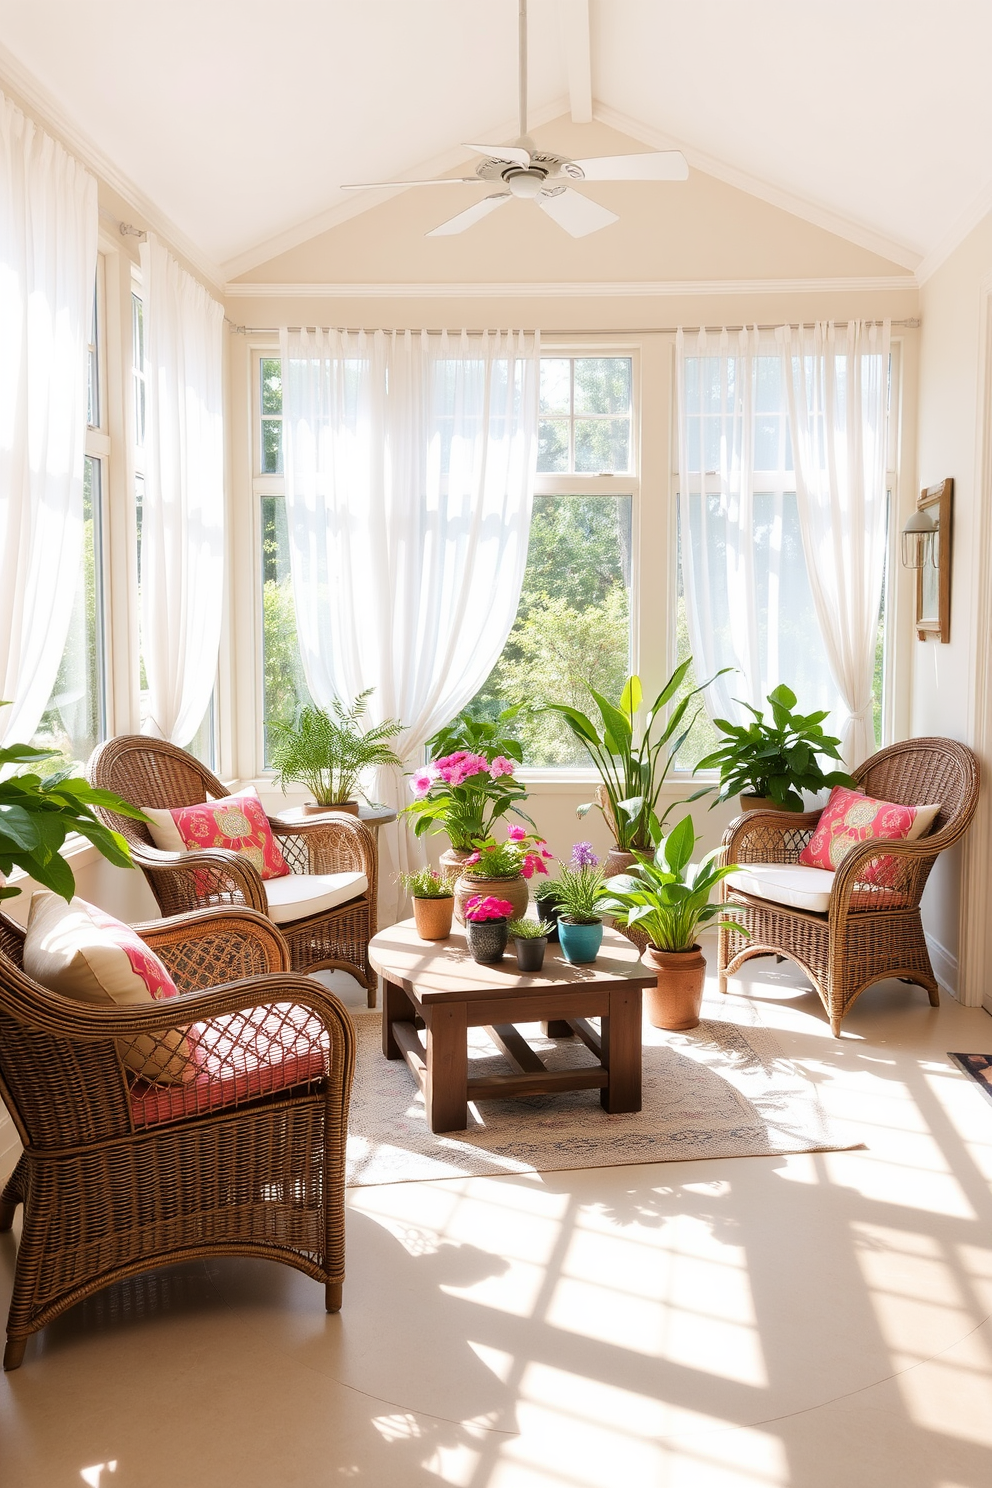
<point x="933" y="581"/>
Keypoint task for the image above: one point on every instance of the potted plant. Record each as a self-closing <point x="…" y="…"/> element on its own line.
<point x="433" y="901"/>
<point x="486" y="921"/>
<point x="668" y="897"/>
<point x="633" y="770"/>
<point x="37" y="813"/>
<point x="769" y="765"/>
<point x="546" y="900"/>
<point x="468" y="785"/>
<point x="502" y="868"/>
<point x="530" y="941"/>
<point x="327" y="751"/>
<point x="580" y="889"/>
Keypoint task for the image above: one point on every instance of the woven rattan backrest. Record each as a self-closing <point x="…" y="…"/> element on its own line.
<point x="149" y="772"/>
<point x="918" y="772"/>
<point x="62" y="1092"/>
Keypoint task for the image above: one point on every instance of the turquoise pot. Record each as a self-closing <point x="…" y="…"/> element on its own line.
<point x="580" y="943"/>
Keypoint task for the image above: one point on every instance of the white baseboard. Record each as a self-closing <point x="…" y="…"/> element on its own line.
<point x="945" y="966"/>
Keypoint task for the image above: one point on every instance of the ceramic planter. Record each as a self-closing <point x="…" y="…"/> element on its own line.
<point x="530" y="952"/>
<point x="762" y="803"/>
<point x="548" y="913"/>
<point x="486" y="939"/>
<point x="451" y="860"/>
<point x="432" y="917"/>
<point x="312" y="808"/>
<point x="580" y="943"/>
<point x="675" y="1000"/>
<point x="514" y="890"/>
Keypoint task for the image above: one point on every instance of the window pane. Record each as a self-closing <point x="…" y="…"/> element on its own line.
<point x="556" y="393"/>
<point x="602" y="385"/>
<point x="284" y="685"/>
<point x="573" y="623"/>
<point x="73" y="722"/>
<point x="271" y="374"/>
<point x="552" y="446"/>
<point x="271" y="446"/>
<point x="602" y="445"/>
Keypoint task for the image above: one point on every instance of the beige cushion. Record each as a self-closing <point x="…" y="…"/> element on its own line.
<point x="85" y="954"/>
<point x="163" y="829"/>
<point x="785" y="883"/>
<point x="303" y="894"/>
<point x="922" y="822"/>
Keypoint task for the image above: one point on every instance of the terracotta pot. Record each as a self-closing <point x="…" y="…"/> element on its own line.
<point x="674" y="1002"/>
<point x="762" y="803"/>
<point x="432" y="917"/>
<point x="618" y="861"/>
<point x="451" y="860"/>
<point x="514" y="890"/>
<point x="311" y="808"/>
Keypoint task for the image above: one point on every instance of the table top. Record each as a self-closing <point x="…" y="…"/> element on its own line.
<point x="444" y="971"/>
<point x="372" y="816"/>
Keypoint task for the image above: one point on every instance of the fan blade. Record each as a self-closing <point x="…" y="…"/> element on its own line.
<point x="469" y="217"/>
<point x="659" y="165"/>
<point x="512" y="154"/>
<point x="440" y="181"/>
<point x="575" y="212"/>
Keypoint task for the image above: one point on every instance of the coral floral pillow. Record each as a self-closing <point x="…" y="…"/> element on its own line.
<point x="236" y="822"/>
<point x="849" y="818"/>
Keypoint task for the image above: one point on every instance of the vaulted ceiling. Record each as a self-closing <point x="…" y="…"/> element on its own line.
<point x="240" y="120"/>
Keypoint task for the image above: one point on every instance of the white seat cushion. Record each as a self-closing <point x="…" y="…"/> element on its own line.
<point x="302" y="894"/>
<point x="785" y="883"/>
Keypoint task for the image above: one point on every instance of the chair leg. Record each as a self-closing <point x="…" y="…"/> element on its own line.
<point x="934" y="996"/>
<point x="332" y="1296"/>
<point x="835" y="1023"/>
<point x="13" y="1354"/>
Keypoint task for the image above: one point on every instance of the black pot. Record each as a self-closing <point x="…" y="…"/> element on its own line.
<point x="530" y="952"/>
<point x="548" y="912"/>
<point x="486" y="939"/>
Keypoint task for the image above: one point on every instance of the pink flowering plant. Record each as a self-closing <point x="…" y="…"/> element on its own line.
<point x="522" y="852"/>
<point x="465" y="794"/>
<point x="480" y="908"/>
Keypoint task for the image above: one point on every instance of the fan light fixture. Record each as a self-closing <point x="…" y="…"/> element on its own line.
<point x="920" y="541"/>
<point x="529" y="173"/>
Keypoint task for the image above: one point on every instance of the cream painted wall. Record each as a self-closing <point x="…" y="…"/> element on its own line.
<point x="949" y="436"/>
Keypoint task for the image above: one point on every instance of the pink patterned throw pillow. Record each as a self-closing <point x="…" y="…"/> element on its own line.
<point x="850" y="818"/>
<point x="237" y="822"/>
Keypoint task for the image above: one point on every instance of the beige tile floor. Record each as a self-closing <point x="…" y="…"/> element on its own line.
<point x="815" y="1321"/>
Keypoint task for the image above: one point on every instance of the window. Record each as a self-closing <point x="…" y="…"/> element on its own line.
<point x="573" y="624"/>
<point x="74" y="721"/>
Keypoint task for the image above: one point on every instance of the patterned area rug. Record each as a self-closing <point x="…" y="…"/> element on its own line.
<point x="979" y="1067"/>
<point x="725" y="1089"/>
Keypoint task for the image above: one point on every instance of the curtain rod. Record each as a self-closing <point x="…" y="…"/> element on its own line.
<point x="912" y="323"/>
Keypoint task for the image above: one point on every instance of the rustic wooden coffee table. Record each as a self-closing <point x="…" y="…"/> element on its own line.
<point x="438" y="986"/>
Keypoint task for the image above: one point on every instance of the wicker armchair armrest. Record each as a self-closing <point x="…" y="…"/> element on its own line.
<point x="334" y="843"/>
<point x="912" y="862"/>
<point x="209" y="946"/>
<point x="229" y="872"/>
<point x="762" y="836"/>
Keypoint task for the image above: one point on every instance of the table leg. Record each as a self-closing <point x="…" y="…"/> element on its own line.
<point x="557" y="1028"/>
<point x="622" y="1051"/>
<point x="446" y="1095"/>
<point x="396" y="1008"/>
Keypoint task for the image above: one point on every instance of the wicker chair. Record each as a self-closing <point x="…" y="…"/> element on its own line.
<point x="245" y="1157"/>
<point x="872" y="928"/>
<point x="149" y="772"/>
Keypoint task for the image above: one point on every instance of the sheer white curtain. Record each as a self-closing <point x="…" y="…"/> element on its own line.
<point x="48" y="235"/>
<point x="182" y="521"/>
<point x="837" y="382"/>
<point x="410" y="464"/>
<point x="747" y="593"/>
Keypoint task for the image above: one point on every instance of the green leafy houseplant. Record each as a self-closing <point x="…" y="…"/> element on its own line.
<point x="327" y="750"/>
<point x="426" y="883"/>
<point x="37" y="813"/>
<point x="528" y="929"/>
<point x="667" y="895"/>
<point x="777" y="760"/>
<point x="488" y="736"/>
<point x="580" y="887"/>
<point x="633" y="770"/>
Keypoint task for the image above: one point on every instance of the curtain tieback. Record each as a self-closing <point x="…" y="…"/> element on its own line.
<point x="864" y="713"/>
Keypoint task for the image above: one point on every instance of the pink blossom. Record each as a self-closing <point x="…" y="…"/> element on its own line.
<point x="515" y="834"/>
<point x="532" y="864"/>
<point x="422" y="781"/>
<point x="501" y="766"/>
<point x="472" y="858"/>
<point x="489" y="908"/>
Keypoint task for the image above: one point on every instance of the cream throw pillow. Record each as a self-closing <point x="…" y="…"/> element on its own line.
<point x="85" y="954"/>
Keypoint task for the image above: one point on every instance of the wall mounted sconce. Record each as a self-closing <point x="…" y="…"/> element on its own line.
<point x="926" y="546"/>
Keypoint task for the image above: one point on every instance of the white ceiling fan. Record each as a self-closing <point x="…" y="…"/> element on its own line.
<point x="525" y="171"/>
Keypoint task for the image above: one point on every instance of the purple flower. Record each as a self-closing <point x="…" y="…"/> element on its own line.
<point x="583" y="856"/>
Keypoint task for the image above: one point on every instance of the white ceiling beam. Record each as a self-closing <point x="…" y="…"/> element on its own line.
<point x="574" y="19"/>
